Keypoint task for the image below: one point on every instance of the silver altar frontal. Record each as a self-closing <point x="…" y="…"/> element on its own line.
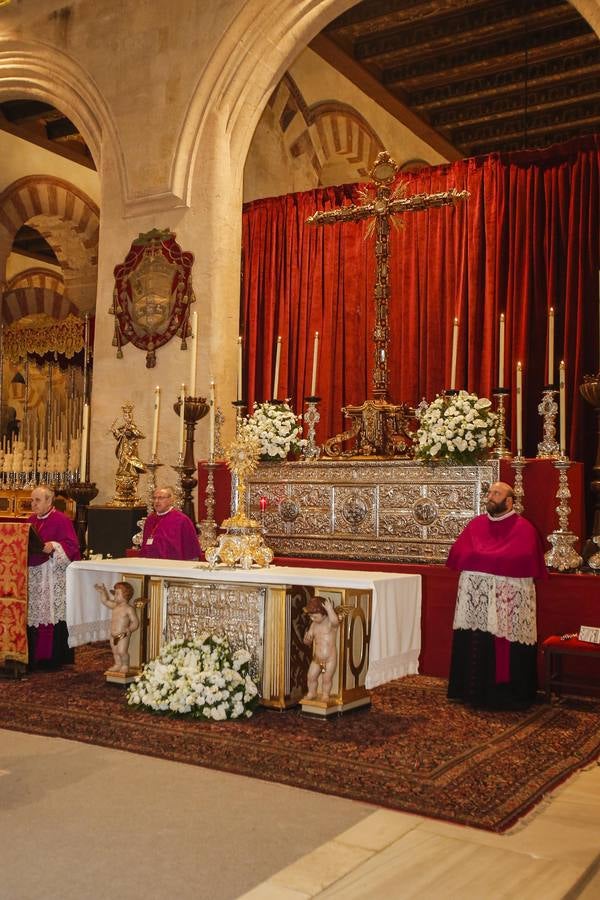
<point x="392" y="510"/>
<point x="262" y="610"/>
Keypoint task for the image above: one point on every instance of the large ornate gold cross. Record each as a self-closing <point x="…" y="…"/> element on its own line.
<point x="380" y="208"/>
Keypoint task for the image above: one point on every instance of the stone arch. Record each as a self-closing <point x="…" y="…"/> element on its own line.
<point x="69" y="221"/>
<point x="33" y="70"/>
<point x="36" y="290"/>
<point x="332" y="136"/>
<point x="234" y="88"/>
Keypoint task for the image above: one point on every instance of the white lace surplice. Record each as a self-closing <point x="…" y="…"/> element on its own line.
<point x="47" y="590"/>
<point x="504" y="607"/>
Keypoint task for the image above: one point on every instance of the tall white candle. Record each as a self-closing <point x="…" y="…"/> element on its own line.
<point x="193" y="348"/>
<point x="85" y="421"/>
<point x="501" y="353"/>
<point x="562" y="408"/>
<point x="155" y="422"/>
<point x="181" y="418"/>
<point x="454" y="355"/>
<point x="276" y="375"/>
<point x="313" y="383"/>
<point x="239" y="368"/>
<point x="519" y="446"/>
<point x="551" y="345"/>
<point x="211" y="423"/>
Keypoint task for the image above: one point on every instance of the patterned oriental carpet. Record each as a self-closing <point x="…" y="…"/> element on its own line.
<point x="412" y="751"/>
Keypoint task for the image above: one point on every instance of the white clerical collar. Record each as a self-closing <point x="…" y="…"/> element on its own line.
<point x="45" y="516"/>
<point x="505" y="515"/>
<point x="166" y="512"/>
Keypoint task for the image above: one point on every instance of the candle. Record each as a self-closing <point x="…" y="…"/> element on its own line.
<point x="277" y="361"/>
<point x="551" y="346"/>
<point x="501" y="353"/>
<point x="211" y="423"/>
<point x="84" y="442"/>
<point x="519" y="409"/>
<point x="181" y="418"/>
<point x="313" y="383"/>
<point x="562" y="408"/>
<point x="193" y="345"/>
<point x="239" y="369"/>
<point x="454" y="354"/>
<point x="155" y="424"/>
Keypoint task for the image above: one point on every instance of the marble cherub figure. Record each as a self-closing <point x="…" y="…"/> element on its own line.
<point x="123" y="622"/>
<point x="322" y="634"/>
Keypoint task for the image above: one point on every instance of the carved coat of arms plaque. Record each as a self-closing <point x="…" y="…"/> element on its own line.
<point x="153" y="294"/>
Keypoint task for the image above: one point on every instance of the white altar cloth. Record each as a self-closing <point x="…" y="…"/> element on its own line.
<point x="396" y="615"/>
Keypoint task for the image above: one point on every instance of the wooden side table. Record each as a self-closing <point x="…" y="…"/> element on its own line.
<point x="555" y="649"/>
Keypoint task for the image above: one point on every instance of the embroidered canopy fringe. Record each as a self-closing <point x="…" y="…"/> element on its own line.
<point x="48" y="335"/>
<point x="504" y="607"/>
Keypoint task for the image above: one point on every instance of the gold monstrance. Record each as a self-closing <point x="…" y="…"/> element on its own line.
<point x="379" y="427"/>
<point x="242" y="544"/>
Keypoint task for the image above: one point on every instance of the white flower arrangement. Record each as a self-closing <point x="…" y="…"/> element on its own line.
<point x="461" y="428"/>
<point x="201" y="678"/>
<point x="277" y="428"/>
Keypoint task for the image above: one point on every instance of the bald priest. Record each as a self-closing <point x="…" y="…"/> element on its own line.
<point x="168" y="533"/>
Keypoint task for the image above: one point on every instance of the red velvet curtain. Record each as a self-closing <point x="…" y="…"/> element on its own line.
<point x="527" y="239"/>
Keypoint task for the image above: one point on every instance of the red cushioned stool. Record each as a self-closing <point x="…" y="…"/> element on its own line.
<point x="555" y="648"/>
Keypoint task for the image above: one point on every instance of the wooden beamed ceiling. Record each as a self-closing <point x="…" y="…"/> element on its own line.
<point x="473" y="76"/>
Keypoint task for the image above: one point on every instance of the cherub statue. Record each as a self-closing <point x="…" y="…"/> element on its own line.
<point x="123" y="622"/>
<point x="322" y="634"/>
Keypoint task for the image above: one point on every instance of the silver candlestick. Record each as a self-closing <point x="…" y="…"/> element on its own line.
<point x="311" y="417"/>
<point x="518" y="463"/>
<point x="501" y="451"/>
<point x="563" y="557"/>
<point x="151" y="468"/>
<point x="208" y="526"/>
<point x="548" y="408"/>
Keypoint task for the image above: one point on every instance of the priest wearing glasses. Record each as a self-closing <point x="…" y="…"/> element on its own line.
<point x="494" y="646"/>
<point x="168" y="533"/>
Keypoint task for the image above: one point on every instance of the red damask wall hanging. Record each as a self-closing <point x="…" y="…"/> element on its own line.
<point x="153" y="294"/>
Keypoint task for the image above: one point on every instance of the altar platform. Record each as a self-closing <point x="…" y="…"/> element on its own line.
<point x="262" y="610"/>
<point x="397" y="511"/>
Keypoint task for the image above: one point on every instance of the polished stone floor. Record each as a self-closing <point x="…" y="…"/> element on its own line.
<point x="80" y="821"/>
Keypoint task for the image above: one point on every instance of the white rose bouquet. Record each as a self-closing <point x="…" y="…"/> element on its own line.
<point x="277" y="428"/>
<point x="200" y="678"/>
<point x="461" y="428"/>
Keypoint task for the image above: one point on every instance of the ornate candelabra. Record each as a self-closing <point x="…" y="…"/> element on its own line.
<point x="82" y="492"/>
<point x="518" y="463"/>
<point x="501" y="451"/>
<point x="194" y="409"/>
<point x="548" y="409"/>
<point x="311" y="417"/>
<point x="563" y="557"/>
<point x="151" y="468"/>
<point x="208" y="526"/>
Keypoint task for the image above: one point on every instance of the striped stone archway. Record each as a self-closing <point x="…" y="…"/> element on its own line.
<point x="336" y="140"/>
<point x="68" y="220"/>
<point x="36" y="290"/>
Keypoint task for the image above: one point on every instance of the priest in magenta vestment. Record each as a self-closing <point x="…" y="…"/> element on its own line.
<point x="494" y="647"/>
<point x="46" y="616"/>
<point x="168" y="533"/>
